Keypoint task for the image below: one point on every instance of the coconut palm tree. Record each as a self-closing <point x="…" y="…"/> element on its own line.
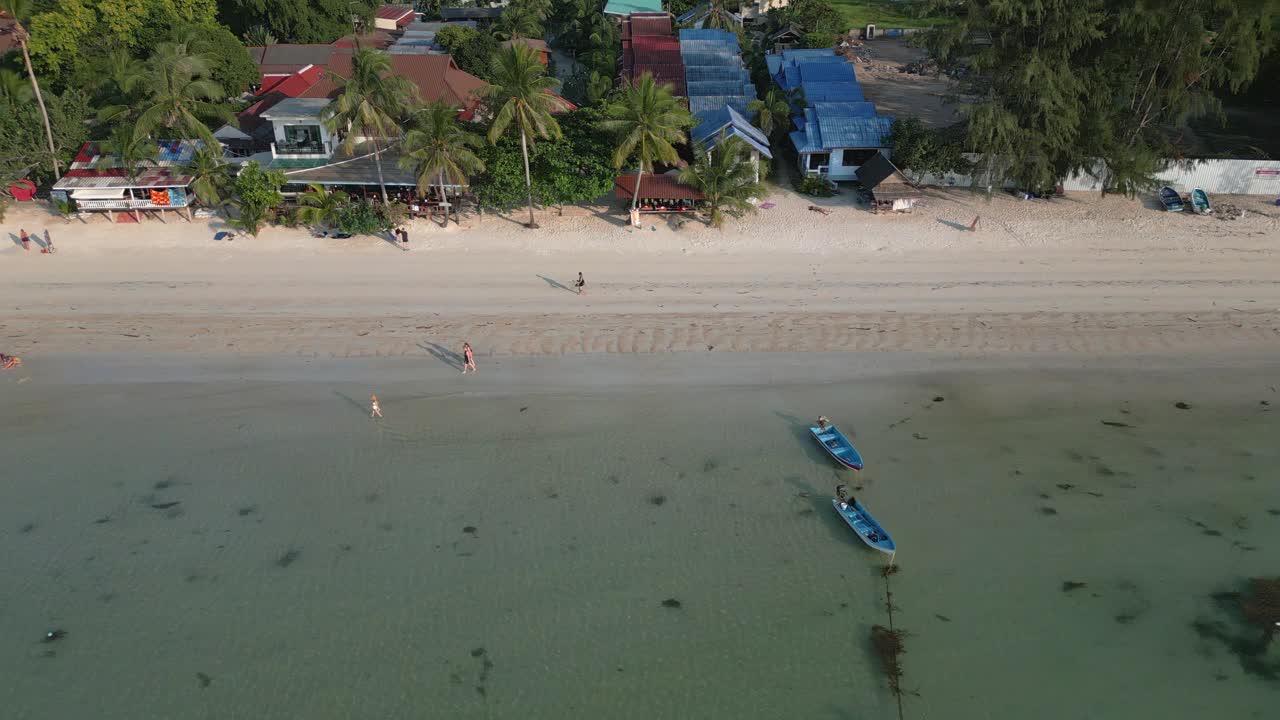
<point x="20" y="10"/>
<point x="726" y="179"/>
<point x="175" y="94"/>
<point x="437" y="148"/>
<point x="772" y="112"/>
<point x="118" y="72"/>
<point x="518" y="21"/>
<point x="319" y="207"/>
<point x="134" y="153"/>
<point x="649" y="123"/>
<point x="520" y="96"/>
<point x="211" y="176"/>
<point x="368" y="105"/>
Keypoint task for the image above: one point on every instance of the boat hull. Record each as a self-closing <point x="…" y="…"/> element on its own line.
<point x="837" y="446"/>
<point x="865" y="526"/>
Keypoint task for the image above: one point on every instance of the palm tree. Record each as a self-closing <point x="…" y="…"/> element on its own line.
<point x="111" y="87"/>
<point x="19" y="10"/>
<point x="772" y="112"/>
<point x="211" y="176"/>
<point x="518" y="21"/>
<point x="259" y="36"/>
<point x="649" y="122"/>
<point x="439" y="149"/>
<point x="175" y="94"/>
<point x="368" y="104"/>
<point x="134" y="153"/>
<point x="13" y="89"/>
<point x="725" y="178"/>
<point x="318" y="207"/>
<point x="521" y="95"/>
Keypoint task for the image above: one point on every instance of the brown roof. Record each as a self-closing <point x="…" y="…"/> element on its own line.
<point x="291" y="55"/>
<point x="639" y="24"/>
<point x="662" y="187"/>
<point x="437" y="77"/>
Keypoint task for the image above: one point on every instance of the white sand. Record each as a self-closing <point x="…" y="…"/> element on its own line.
<point x="1083" y="275"/>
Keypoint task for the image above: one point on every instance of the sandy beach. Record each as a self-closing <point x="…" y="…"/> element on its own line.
<point x="1084" y="275"/>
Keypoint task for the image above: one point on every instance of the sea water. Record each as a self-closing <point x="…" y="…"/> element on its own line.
<point x="263" y="549"/>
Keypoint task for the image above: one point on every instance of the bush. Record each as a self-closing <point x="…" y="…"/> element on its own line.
<point x="361" y="218"/>
<point x="816" y="185"/>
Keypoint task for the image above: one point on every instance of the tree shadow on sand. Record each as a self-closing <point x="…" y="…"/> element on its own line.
<point x="443" y="354"/>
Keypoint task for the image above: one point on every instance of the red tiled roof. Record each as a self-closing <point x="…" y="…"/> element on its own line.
<point x="639" y="24"/>
<point x="436" y="77"/>
<point x="662" y="187"/>
<point x="378" y="39"/>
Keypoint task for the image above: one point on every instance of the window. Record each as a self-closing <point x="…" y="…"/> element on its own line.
<point x="818" y="161"/>
<point x="302" y="137"/>
<point x="855" y="158"/>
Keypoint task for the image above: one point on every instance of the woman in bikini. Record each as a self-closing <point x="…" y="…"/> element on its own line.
<point x="375" y="410"/>
<point x="468" y="359"/>
<point x="9" y="362"/>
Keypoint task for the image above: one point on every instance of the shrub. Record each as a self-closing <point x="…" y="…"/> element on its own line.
<point x="816" y="185"/>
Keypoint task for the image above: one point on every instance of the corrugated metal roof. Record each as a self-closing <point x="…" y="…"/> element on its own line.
<point x="96" y="167"/>
<point x="627" y="7"/>
<point x="662" y="187"/>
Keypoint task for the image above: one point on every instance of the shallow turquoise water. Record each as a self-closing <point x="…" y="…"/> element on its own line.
<point x="465" y="558"/>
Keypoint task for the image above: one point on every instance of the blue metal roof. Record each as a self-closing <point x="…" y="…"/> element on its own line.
<point x="833" y="92"/>
<point x="836" y="114"/>
<point x="718" y="87"/>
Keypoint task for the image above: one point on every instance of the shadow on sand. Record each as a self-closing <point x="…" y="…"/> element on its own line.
<point x="443" y="354"/>
<point x="555" y="284"/>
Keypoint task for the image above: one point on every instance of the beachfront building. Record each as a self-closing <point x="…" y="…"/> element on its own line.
<point x="837" y="130"/>
<point x="889" y="188"/>
<point x="99" y="182"/>
<point x="754" y="10"/>
<point x="719" y="88"/>
<point x="657" y="193"/>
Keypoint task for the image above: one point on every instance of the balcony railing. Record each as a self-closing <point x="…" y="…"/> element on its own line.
<point x="128" y="204"/>
<point x="288" y="152"/>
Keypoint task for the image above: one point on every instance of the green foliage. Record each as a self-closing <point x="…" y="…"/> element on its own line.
<point x="771" y="113"/>
<point x="1063" y="83"/>
<point x="573" y="168"/>
<point x="649" y="123"/>
<point x="69" y="35"/>
<point x="259" y="36"/>
<point x="135" y="153"/>
<point x="211" y="176"/>
<point x="726" y="178"/>
<point x="587" y="88"/>
<point x="319" y="207"/>
<point x="229" y="63"/>
<point x="924" y="151"/>
<point x="520" y="19"/>
<point x="361" y="218"/>
<point x="172" y="95"/>
<point x="296" y="21"/>
<point x="810" y="16"/>
<point x="14" y="88"/>
<point x="439" y="149"/>
<point x="520" y="97"/>
<point x="818" y="40"/>
<point x="257" y="193"/>
<point x="24" y="149"/>
<point x="815" y="185"/>
<point x="64" y="208"/>
<point x="471" y="49"/>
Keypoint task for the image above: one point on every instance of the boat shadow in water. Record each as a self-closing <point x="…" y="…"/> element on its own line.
<point x="818" y="503"/>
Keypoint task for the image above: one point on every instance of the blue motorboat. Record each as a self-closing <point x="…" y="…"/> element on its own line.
<point x="864" y="525"/>
<point x="836" y="445"/>
<point x="1200" y="202"/>
<point x="1170" y="199"/>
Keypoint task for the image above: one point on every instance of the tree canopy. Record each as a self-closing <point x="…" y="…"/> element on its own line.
<point x="570" y="169"/>
<point x="296" y="21"/>
<point x="1058" y="85"/>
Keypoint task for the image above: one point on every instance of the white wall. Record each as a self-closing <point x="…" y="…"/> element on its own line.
<point x="1229" y="177"/>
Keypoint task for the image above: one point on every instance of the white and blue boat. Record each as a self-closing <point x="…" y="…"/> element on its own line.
<point x="865" y="526"/>
<point x="837" y="445"/>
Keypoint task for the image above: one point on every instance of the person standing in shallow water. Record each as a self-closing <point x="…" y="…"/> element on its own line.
<point x="375" y="410"/>
<point x="468" y="359"/>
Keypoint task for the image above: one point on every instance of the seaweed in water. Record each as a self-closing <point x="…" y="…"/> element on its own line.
<point x="32" y="526"/>
<point x="203" y="679"/>
<point x="1113" y="423"/>
<point x="1048" y="511"/>
<point x="1182" y="406"/>
<point x="288" y="558"/>
<point x="657" y="499"/>
<point x="938" y="398"/>
<point x="1069" y="585"/>
<point x="469" y="530"/>
<point x="888" y="645"/>
<point x="672" y="603"/>
<point x="1250" y="641"/>
<point x="1261" y="606"/>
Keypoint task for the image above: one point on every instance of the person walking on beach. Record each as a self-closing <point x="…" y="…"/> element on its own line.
<point x="580" y="284"/>
<point x="468" y="359"/>
<point x="48" y="242"/>
<point x="374" y="409"/>
<point x="26" y="240"/>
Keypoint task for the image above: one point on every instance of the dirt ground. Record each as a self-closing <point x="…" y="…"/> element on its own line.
<point x="879" y="64"/>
